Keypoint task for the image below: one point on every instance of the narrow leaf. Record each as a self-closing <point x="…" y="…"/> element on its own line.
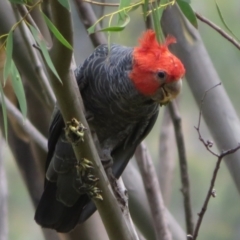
<point x="65" y="4"/>
<point x="56" y="33"/>
<point x="145" y="9"/>
<point x="156" y="24"/>
<point x="122" y="14"/>
<point x="188" y="12"/>
<point x="224" y="22"/>
<point x="19" y="90"/>
<point x="9" y="50"/>
<point x="91" y="30"/>
<point x="4" y="111"/>
<point x="117" y="28"/>
<point x="44" y="50"/>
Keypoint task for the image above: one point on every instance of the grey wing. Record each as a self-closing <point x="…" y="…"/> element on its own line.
<point x="125" y="151"/>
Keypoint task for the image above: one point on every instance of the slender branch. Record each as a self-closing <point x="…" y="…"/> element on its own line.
<point x="89" y="18"/>
<point x="177" y="122"/>
<point x="219" y="30"/>
<point x="166" y="164"/>
<point x="208" y="144"/>
<point x="102" y="3"/>
<point x="67" y="95"/>
<point x="33" y="133"/>
<point x="211" y="192"/>
<point x="153" y="192"/>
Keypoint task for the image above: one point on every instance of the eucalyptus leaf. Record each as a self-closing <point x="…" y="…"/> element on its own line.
<point x="19" y="90"/>
<point x="145" y="9"/>
<point x="224" y="22"/>
<point x="56" y="33"/>
<point x="39" y="39"/>
<point x="188" y="12"/>
<point x="122" y="14"/>
<point x="4" y="111"/>
<point x="9" y="50"/>
<point x="65" y="4"/>
<point x="117" y="28"/>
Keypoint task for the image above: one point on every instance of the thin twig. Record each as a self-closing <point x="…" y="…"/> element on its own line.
<point x="33" y="133"/>
<point x="177" y="123"/>
<point x="219" y="30"/>
<point x="208" y="144"/>
<point x="153" y="192"/>
<point x="101" y="3"/>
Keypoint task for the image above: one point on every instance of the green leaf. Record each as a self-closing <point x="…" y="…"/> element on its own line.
<point x="65" y="4"/>
<point x="145" y="9"/>
<point x="224" y="22"/>
<point x="56" y="33"/>
<point x="20" y="1"/>
<point x="4" y="111"/>
<point x="19" y="90"/>
<point x="187" y="1"/>
<point x="91" y="30"/>
<point x="122" y="14"/>
<point x="188" y="12"/>
<point x="9" y="50"/>
<point x="39" y="39"/>
<point x="117" y="28"/>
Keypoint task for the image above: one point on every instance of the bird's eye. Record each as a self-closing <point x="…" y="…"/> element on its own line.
<point x="162" y="75"/>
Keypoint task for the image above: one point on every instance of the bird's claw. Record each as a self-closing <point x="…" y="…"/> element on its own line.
<point x="87" y="180"/>
<point x="74" y="131"/>
<point x="91" y="190"/>
<point x="83" y="166"/>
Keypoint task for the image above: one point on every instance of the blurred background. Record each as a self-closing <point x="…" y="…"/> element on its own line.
<point x="222" y="219"/>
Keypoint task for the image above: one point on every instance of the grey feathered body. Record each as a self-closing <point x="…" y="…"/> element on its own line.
<point x="121" y="117"/>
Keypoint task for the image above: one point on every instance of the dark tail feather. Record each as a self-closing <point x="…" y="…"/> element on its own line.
<point x="51" y="213"/>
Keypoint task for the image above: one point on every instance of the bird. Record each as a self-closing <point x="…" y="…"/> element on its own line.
<point x="122" y="90"/>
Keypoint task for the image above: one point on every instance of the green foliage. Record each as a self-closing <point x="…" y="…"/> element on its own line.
<point x="224" y="22"/>
<point x="42" y="45"/>
<point x="56" y="33"/>
<point x="122" y="15"/>
<point x="20" y="1"/>
<point x="188" y="12"/>
<point x="4" y="111"/>
<point x="9" y="50"/>
<point x="117" y="28"/>
<point x="65" y="4"/>
<point x="18" y="89"/>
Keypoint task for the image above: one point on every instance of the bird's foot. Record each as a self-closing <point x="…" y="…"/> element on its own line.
<point x="83" y="167"/>
<point x="86" y="180"/>
<point x="89" y="187"/>
<point x="74" y="131"/>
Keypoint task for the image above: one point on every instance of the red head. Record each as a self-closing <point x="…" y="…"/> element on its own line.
<point x="154" y="66"/>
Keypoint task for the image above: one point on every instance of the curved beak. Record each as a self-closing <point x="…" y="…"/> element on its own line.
<point x="168" y="92"/>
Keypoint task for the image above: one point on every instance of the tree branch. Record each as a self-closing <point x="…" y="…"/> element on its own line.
<point x="88" y="17"/>
<point x="166" y="164"/>
<point x="68" y="95"/>
<point x="219" y="30"/>
<point x="177" y="123"/>
<point x="153" y="192"/>
<point x="211" y="192"/>
<point x="26" y="125"/>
